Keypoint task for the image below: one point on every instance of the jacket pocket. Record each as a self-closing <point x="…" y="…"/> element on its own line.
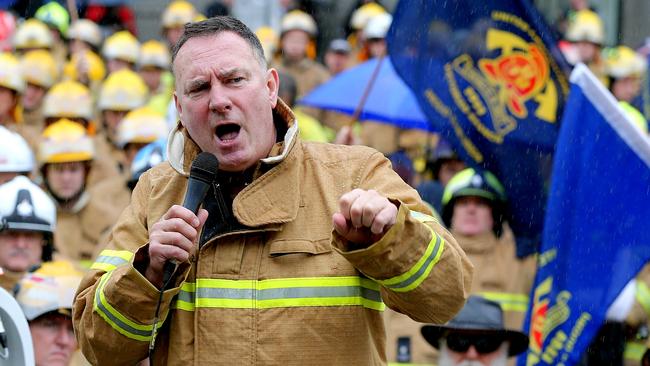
<point x="284" y="247"/>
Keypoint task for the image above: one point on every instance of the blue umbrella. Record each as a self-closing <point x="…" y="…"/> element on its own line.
<point x="389" y="99"/>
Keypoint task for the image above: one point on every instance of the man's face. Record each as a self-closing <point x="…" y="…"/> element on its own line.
<point x="376" y="47"/>
<point x="115" y="65"/>
<point x="586" y="51"/>
<point x="626" y="89"/>
<point x="151" y="77"/>
<point x="7" y="176"/>
<point x="66" y="179"/>
<point x="448" y="169"/>
<point x="112" y="120"/>
<point x="473" y="355"/>
<point x="19" y="251"/>
<point x="33" y="96"/>
<point x="53" y="338"/>
<point x="7" y="102"/>
<point x="77" y="45"/>
<point x="472" y="216"/>
<point x="336" y="61"/>
<point x="173" y="35"/>
<point x="294" y="44"/>
<point x="225" y="99"/>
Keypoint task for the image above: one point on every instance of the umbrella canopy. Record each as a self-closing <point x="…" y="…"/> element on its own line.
<point x="389" y="100"/>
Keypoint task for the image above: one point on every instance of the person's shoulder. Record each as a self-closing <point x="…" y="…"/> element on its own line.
<point x="333" y="153"/>
<point x="162" y="171"/>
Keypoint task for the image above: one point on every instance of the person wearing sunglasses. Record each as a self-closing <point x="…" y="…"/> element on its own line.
<point x="476" y="336"/>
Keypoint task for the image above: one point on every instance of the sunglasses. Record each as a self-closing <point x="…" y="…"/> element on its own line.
<point x="483" y="344"/>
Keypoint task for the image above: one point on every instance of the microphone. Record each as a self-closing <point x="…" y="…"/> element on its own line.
<point x="202" y="174"/>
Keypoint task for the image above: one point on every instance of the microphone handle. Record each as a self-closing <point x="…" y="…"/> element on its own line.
<point x="196" y="191"/>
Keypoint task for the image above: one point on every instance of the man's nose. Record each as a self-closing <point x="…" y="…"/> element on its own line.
<point x="471" y="353"/>
<point x="219" y="99"/>
<point x="65" y="337"/>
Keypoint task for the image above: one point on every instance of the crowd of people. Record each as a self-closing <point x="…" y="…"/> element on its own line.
<point x="86" y="111"/>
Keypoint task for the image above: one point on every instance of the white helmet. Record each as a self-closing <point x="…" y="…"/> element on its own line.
<point x="24" y="206"/>
<point x="377" y="26"/>
<point x="15" y="154"/>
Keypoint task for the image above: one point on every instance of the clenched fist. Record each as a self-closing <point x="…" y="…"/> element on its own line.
<point x="364" y="216"/>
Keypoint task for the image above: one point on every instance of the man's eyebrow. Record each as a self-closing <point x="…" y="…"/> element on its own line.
<point x="193" y="84"/>
<point x="225" y="74"/>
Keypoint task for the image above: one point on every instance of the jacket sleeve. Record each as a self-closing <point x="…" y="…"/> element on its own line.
<point x="422" y="270"/>
<point x="115" y="304"/>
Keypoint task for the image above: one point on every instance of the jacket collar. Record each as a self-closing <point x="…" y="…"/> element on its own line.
<point x="273" y="197"/>
<point x="181" y="149"/>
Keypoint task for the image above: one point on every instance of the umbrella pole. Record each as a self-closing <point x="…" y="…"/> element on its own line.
<point x="366" y="92"/>
<point x="72" y="9"/>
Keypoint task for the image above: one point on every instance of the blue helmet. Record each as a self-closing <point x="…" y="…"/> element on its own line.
<point x="148" y="157"/>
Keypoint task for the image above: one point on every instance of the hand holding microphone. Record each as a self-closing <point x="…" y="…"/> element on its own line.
<point x="172" y="239"/>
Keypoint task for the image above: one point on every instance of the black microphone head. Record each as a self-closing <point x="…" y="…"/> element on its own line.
<point x="204" y="167"/>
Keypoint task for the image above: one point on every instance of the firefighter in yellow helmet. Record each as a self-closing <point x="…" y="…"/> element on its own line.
<point x="297" y="36"/>
<point x="66" y="153"/>
<point x="84" y="35"/>
<point x="40" y="72"/>
<point x="122" y="91"/>
<point x="139" y="127"/>
<point x="626" y="69"/>
<point x="46" y="296"/>
<point x="587" y="33"/>
<point x="153" y="67"/>
<point x="175" y="16"/>
<point x="56" y="17"/>
<point x="73" y="101"/>
<point x="12" y="86"/>
<point x="32" y="35"/>
<point x="85" y="67"/>
<point x="358" y="21"/>
<point x="121" y="51"/>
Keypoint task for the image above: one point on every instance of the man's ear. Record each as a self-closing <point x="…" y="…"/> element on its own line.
<point x="179" y="109"/>
<point x="273" y="85"/>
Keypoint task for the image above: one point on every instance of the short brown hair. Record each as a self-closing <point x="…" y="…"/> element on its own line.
<point x="216" y="25"/>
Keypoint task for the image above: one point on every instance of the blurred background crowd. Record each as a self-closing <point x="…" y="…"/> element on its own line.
<point x="86" y="105"/>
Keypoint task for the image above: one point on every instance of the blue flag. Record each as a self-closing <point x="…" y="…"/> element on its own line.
<point x="485" y="74"/>
<point x="596" y="235"/>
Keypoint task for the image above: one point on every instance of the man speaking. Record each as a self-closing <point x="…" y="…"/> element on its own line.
<point x="295" y="251"/>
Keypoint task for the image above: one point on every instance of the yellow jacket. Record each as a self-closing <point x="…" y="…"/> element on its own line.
<point x="283" y="289"/>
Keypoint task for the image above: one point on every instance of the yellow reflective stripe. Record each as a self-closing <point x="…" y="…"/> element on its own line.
<point x="634" y="351"/>
<point x="508" y="301"/>
<point x="85" y="263"/>
<point x="420" y="271"/>
<point x="422" y="217"/>
<point x="279" y="293"/>
<point x="643" y="295"/>
<point x="117" y="321"/>
<point x="109" y="259"/>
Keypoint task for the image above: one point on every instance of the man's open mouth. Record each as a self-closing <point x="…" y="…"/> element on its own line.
<point x="228" y="131"/>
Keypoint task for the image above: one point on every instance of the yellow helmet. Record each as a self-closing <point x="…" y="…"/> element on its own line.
<point x="143" y="125"/>
<point x="33" y="34"/>
<point x="87" y="31"/>
<point x="123" y="90"/>
<point x="96" y="68"/>
<point x="50" y="288"/>
<point x="65" y="141"/>
<point x="10" y="75"/>
<point x="586" y="26"/>
<point x="122" y="46"/>
<point x="39" y="68"/>
<point x="269" y="40"/>
<point x="177" y="14"/>
<point x="299" y="20"/>
<point x="199" y="17"/>
<point x="362" y="15"/>
<point x="622" y="61"/>
<point x="154" y="54"/>
<point x="68" y="99"/>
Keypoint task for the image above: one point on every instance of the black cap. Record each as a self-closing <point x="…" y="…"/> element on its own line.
<point x="479" y="316"/>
